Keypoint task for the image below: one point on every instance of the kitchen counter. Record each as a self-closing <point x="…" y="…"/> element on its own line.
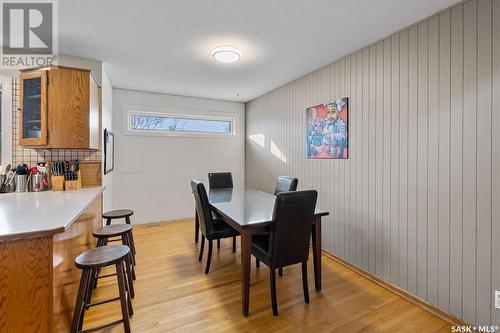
<point x="42" y="213"/>
<point x="40" y="236"/>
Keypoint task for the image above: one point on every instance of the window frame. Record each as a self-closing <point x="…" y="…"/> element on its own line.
<point x="6" y="88"/>
<point x="130" y="111"/>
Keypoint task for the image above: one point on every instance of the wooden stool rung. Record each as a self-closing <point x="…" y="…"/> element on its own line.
<point x="87" y="306"/>
<point x="93" y="329"/>
<point x="106" y="275"/>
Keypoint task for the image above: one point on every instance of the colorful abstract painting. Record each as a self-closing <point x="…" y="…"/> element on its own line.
<point x="327" y="127"/>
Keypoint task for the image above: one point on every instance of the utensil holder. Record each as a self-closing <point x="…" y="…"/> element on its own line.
<point x="57" y="183"/>
<point x="73" y="185"/>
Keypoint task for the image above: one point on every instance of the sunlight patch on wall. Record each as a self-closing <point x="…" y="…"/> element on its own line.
<point x="277" y="152"/>
<point x="259" y="139"/>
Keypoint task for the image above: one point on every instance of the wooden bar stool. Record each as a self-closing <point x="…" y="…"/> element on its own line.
<point x="120" y="214"/>
<point x="91" y="261"/>
<point x="123" y="231"/>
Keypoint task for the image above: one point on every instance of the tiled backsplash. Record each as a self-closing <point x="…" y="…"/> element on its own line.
<point x="30" y="156"/>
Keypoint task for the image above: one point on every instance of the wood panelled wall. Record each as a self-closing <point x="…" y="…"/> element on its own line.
<point x="418" y="201"/>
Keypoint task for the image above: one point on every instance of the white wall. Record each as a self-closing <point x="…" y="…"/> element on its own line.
<point x="152" y="173"/>
<point x="106" y="122"/>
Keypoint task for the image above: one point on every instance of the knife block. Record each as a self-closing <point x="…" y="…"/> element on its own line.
<point x="73" y="185"/>
<point x="57" y="183"/>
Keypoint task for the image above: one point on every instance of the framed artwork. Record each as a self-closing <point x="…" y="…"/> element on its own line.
<point x="327" y="130"/>
<point x="109" y="151"/>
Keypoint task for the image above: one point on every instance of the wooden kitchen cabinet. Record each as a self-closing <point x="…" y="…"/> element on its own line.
<point x="59" y="108"/>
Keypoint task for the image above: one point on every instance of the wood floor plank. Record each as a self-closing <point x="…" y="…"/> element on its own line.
<point x="174" y="295"/>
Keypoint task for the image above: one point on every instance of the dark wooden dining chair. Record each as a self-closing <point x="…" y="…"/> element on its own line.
<point x="211" y="228"/>
<point x="285" y="184"/>
<point x="288" y="242"/>
<point x="221" y="180"/>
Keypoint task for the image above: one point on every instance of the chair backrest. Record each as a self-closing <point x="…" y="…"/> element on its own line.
<point x="291" y="227"/>
<point x="202" y="206"/>
<point x="285" y="184"/>
<point x="220" y="180"/>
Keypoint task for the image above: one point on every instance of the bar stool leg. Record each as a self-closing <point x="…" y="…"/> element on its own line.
<point x="108" y="221"/>
<point x="90" y="285"/>
<point x="129" y="277"/>
<point x="120" y="276"/>
<point x="127" y="220"/>
<point x="131" y="259"/>
<point x="80" y="299"/>
<point x="129" y="240"/>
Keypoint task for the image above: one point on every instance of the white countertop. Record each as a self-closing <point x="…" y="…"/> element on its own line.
<point x="42" y="212"/>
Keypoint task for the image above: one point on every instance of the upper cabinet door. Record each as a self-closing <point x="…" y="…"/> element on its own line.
<point x="33" y="108"/>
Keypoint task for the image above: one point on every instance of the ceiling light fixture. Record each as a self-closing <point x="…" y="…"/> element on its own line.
<point x="226" y="54"/>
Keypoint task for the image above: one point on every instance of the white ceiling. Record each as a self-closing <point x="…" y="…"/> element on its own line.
<point x="165" y="46"/>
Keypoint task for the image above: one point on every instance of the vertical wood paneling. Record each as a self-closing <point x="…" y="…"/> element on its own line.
<point x="412" y="160"/>
<point x="366" y="160"/>
<point x="469" y="162"/>
<point x="456" y="158"/>
<point x="495" y="139"/>
<point x="371" y="160"/>
<point x="432" y="163"/>
<point x="386" y="162"/>
<point x="394" y="172"/>
<point x="444" y="163"/>
<point x="360" y="152"/>
<point x="403" y="159"/>
<point x="418" y="201"/>
<point x="483" y="163"/>
<point x="353" y="207"/>
<point x="341" y="171"/>
<point x="422" y="151"/>
<point x="379" y="154"/>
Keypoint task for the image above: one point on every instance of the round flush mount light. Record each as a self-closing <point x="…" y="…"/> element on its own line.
<point x="226" y="54"/>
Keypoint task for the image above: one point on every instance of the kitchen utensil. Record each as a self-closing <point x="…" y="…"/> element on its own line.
<point x="38" y="182"/>
<point x="7" y="169"/>
<point x="22" y="169"/>
<point x="8" y="184"/>
<point x="21" y="182"/>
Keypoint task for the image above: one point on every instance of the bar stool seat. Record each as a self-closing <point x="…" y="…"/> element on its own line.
<point x="102" y="256"/>
<point x="112" y="230"/>
<point x="118" y="214"/>
<point x="91" y="261"/>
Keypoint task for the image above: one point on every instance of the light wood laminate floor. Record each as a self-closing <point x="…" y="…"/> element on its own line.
<point x="174" y="295"/>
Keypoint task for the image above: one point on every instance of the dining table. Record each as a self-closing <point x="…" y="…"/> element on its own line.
<point x="250" y="212"/>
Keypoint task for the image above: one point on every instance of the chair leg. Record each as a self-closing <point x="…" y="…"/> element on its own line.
<point x="272" y="278"/>
<point x="234" y="244"/>
<point x="120" y="276"/>
<point x="127" y="220"/>
<point x="257" y="262"/>
<point x="90" y="286"/>
<point x="201" y="247"/>
<point x="280" y="271"/>
<point x="209" y="257"/>
<point x="304" y="282"/>
<point x="196" y="226"/>
<point x="129" y="274"/>
<point x="80" y="299"/>
<point x="218" y="243"/>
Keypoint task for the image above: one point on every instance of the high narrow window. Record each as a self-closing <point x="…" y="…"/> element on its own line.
<point x="159" y="124"/>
